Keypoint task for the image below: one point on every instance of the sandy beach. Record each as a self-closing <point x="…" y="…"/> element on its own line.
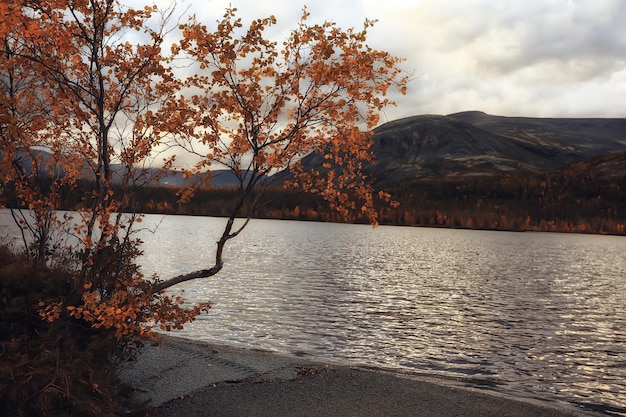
<point x="185" y="378"/>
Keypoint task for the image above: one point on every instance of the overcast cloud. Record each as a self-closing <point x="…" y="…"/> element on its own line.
<point x="544" y="58"/>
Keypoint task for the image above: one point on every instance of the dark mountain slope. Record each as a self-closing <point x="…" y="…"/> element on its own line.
<point x="476" y="144"/>
<point x="597" y="135"/>
<point x="611" y="167"/>
<point x="427" y="146"/>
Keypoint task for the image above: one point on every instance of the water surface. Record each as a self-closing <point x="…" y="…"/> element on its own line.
<point x="529" y="314"/>
<point x="533" y="314"/>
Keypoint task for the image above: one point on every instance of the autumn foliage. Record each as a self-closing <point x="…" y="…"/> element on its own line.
<point x="256" y="108"/>
<point x="320" y="92"/>
<point x="87" y="85"/>
<point x="75" y="91"/>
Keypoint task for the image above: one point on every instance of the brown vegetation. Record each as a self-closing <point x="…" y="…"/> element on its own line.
<point x="62" y="367"/>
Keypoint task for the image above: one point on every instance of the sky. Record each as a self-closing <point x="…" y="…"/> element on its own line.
<point x="532" y="58"/>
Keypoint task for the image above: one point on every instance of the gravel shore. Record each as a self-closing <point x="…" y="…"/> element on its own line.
<point x="185" y="378"/>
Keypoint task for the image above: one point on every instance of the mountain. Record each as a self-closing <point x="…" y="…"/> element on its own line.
<point x="470" y="144"/>
<point x="219" y="177"/>
<point x="467" y="145"/>
<point x="557" y="129"/>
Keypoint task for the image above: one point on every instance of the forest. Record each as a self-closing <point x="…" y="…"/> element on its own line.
<point x="577" y="199"/>
<point x="560" y="201"/>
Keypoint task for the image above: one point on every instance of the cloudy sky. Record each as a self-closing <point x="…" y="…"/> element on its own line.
<point x="536" y="58"/>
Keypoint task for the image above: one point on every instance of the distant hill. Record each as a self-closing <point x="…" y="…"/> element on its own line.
<point x="555" y="128"/>
<point x="473" y="144"/>
<point x="464" y="170"/>
<point x="465" y="145"/>
<point x="219" y="177"/>
<point x="472" y="170"/>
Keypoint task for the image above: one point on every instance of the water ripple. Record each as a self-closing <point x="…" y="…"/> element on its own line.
<point x="532" y="314"/>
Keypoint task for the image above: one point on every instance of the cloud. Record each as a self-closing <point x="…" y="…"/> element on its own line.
<point x="503" y="57"/>
<point x="514" y="57"/>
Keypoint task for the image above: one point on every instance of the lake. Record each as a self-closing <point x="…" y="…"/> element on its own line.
<point x="539" y="315"/>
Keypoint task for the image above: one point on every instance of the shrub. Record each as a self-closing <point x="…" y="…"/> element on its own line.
<point x="63" y="367"/>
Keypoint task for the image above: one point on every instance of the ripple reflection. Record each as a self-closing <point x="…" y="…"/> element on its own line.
<point x="528" y="313"/>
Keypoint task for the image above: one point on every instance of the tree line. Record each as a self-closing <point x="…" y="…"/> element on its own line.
<point x="575" y="199"/>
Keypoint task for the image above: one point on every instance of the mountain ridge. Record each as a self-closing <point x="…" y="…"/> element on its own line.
<point x="471" y="144"/>
<point x="474" y="143"/>
<point x="465" y="145"/>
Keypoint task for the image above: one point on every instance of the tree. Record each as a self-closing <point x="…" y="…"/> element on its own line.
<point x="78" y="97"/>
<point x="75" y="58"/>
<point x="33" y="175"/>
<point x="249" y="105"/>
<point x="257" y="109"/>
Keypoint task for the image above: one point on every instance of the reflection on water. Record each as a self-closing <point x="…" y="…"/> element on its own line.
<point x="533" y="314"/>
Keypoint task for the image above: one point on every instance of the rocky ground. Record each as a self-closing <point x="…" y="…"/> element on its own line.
<point x="187" y="378"/>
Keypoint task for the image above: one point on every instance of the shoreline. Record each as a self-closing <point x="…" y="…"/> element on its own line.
<point x="184" y="377"/>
